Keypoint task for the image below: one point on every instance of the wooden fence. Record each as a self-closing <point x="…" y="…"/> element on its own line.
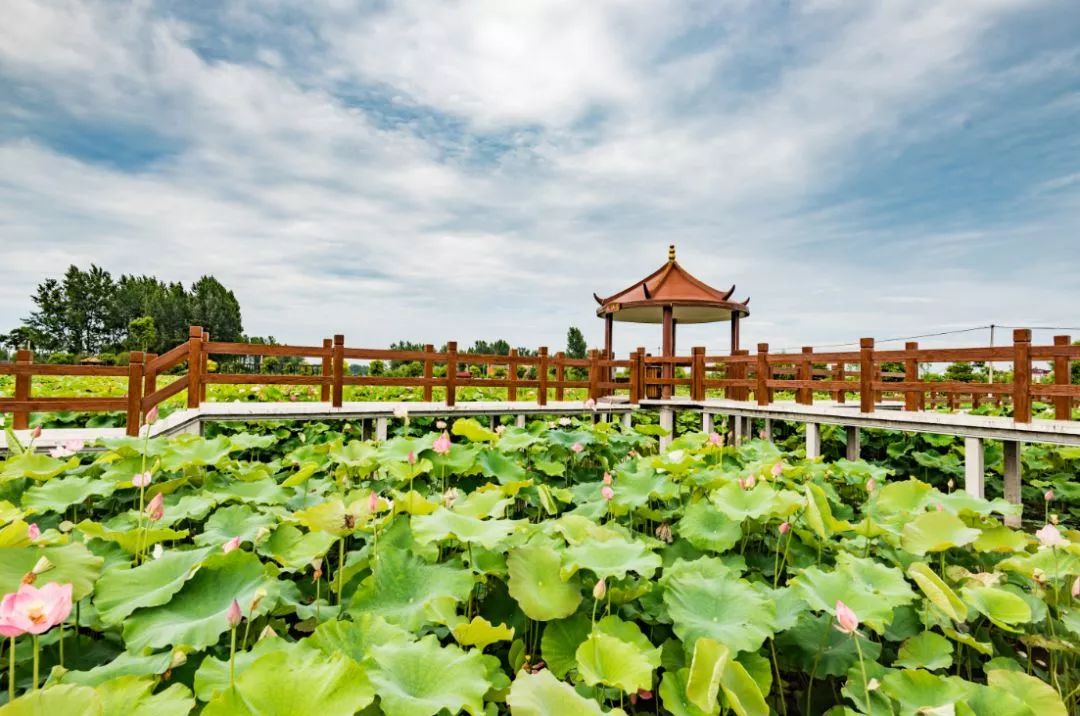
<point x="807" y="375"/>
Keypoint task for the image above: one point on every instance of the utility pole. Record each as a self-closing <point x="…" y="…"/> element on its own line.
<point x="991" y="346"/>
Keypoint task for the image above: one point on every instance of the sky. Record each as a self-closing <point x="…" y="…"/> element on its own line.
<point x="435" y="171"/>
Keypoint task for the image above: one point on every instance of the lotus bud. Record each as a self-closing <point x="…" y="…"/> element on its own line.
<point x="1038" y="575"/>
<point x="500" y="429"/>
<point x="411" y="458"/>
<point x="607" y="493"/>
<point x="785" y="527"/>
<point x="267" y="633"/>
<point x="141" y="479"/>
<point x="179" y="658"/>
<point x="260" y="594"/>
<point x="777" y="469"/>
<point x="1048" y="496"/>
<point x="442" y="444"/>
<point x="940" y="507"/>
<point x="590" y="404"/>
<point x="36" y="432"/>
<point x="750" y="482"/>
<point x="231" y="545"/>
<point x="33" y="532"/>
<point x="716" y="439"/>
<point x="950" y="484"/>
<point x="599" y="590"/>
<point x="871" y="485"/>
<point x="156" y="509"/>
<point x="607" y="478"/>
<point x="152" y="415"/>
<point x="373" y="502"/>
<point x="440" y="425"/>
<point x="316" y="568"/>
<point x="846" y="621"/>
<point x="233" y="615"/>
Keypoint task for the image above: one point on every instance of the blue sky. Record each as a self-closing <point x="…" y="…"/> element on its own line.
<point x="462" y="170"/>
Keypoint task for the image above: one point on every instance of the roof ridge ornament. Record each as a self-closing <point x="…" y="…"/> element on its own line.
<point x="671" y="252"/>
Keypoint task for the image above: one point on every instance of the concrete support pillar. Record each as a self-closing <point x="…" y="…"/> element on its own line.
<point x="519" y="420"/>
<point x="731" y="425"/>
<point x="365" y="429"/>
<point x="381" y="426"/>
<point x="493" y="421"/>
<point x="974" y="467"/>
<point x="768" y="429"/>
<point x="706" y="422"/>
<point x="1012" y="477"/>
<point x="740" y="430"/>
<point x="748" y="428"/>
<point x="628" y="420"/>
<point x="852" y="442"/>
<point x="813" y="441"/>
<point x="667" y="422"/>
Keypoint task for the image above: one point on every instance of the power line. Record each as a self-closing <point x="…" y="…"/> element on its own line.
<point x="938" y="334"/>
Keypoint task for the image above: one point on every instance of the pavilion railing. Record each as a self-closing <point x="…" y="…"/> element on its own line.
<point x="868" y="375"/>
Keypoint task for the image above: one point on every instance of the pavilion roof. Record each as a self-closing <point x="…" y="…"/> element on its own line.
<point x="692" y="300"/>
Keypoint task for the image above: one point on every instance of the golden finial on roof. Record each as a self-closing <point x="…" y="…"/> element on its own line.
<point x="671" y="252"/>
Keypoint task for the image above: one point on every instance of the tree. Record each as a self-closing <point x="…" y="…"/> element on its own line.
<point x="141" y="333"/>
<point x="87" y="302"/>
<point x="216" y="309"/>
<point x="576" y="347"/>
<point x="47" y="326"/>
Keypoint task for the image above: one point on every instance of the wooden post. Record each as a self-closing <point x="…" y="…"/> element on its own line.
<point x="594" y="374"/>
<point x="429" y="371"/>
<point x="1022" y="375"/>
<point x="668" y="350"/>
<point x="20" y="419"/>
<point x="134" y="392"/>
<point x="451" y="373"/>
<point x="806" y="372"/>
<point x="195" y="366"/>
<point x="1062" y="376"/>
<point x="912" y="401"/>
<point x="204" y="366"/>
<point x="337" y="391"/>
<point x="762" y="389"/>
<point x="635" y="377"/>
<point x="511" y="375"/>
<point x="327" y="370"/>
<point x="560" y="375"/>
<point x="149" y="376"/>
<point x="697" y="387"/>
<point x="542" y="376"/>
<point x="839" y="373"/>
<point x="866" y="375"/>
<point x="609" y="353"/>
<point x="734" y="333"/>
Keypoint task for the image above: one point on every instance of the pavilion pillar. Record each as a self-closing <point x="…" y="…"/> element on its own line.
<point x="609" y="354"/>
<point x="734" y="333"/>
<point x="668" y="350"/>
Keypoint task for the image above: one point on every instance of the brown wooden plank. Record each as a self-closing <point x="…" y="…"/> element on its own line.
<point x="266" y="379"/>
<point x="542" y="375"/>
<point x="337" y="389"/>
<point x="511" y="376"/>
<point x="257" y="349"/>
<point x="23" y="358"/>
<point x="451" y="373"/>
<point x="159" y="396"/>
<point x="195" y="366"/>
<point x="327" y="370"/>
<point x="134" y="392"/>
<point x="429" y="371"/>
<point x="866" y="375"/>
<point x="1022" y="375"/>
<point x="56" y="405"/>
<point x="169" y="359"/>
<point x="1062" y="376"/>
<point x="385" y="354"/>
<point x="69" y="370"/>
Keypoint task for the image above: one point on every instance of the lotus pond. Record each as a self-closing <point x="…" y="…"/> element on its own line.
<point x="558" y="569"/>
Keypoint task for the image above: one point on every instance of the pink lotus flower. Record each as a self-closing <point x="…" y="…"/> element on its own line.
<point x="607" y="493"/>
<point x="232" y="544"/>
<point x="33" y="532"/>
<point x="1049" y="496"/>
<point x="716" y="439"/>
<point x="577" y="447"/>
<point x="233" y="615"/>
<point x="67" y="448"/>
<point x="846" y="621"/>
<point x="442" y="444"/>
<point x="373" y="502"/>
<point x="293" y="398"/>
<point x="411" y="458"/>
<point x="152" y="415"/>
<point x="607" y="478"/>
<point x="450" y="497"/>
<point x="777" y="469"/>
<point x="500" y="429"/>
<point x="156" y="509"/>
<point x="34" y="611"/>
<point x="871" y="485"/>
<point x="141" y="479"/>
<point x="440" y="425"/>
<point x="785" y="527"/>
<point x="599" y="590"/>
<point x="590" y="404"/>
<point x="1050" y="537"/>
<point x="35" y="433"/>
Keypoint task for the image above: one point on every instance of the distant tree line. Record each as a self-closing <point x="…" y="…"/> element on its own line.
<point x="89" y="312"/>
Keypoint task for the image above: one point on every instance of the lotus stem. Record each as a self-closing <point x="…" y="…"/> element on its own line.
<point x="11" y="672"/>
<point x="232" y="658"/>
<point x="341" y="566"/>
<point x="37" y="661"/>
<point x="862" y="668"/>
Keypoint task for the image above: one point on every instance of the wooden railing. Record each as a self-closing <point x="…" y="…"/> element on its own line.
<point x="761" y="376"/>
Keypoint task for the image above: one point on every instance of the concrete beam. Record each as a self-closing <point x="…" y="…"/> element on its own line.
<point x="813" y="441"/>
<point x="974" y="467"/>
<point x="1012" y="477"/>
<point x="852" y="442"/>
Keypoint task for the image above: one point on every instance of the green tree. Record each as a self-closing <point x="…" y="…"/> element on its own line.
<point x="576" y="347"/>
<point x="46" y="328"/>
<point x="216" y="309"/>
<point x="87" y="301"/>
<point x="141" y="333"/>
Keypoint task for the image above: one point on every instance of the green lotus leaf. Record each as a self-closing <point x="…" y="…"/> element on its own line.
<point x="984" y="648"/>
<point x="903" y="497"/>
<point x="859" y="677"/>
<point x="189" y="451"/>
<point x="250" y="441"/>
<point x="473" y="431"/>
<point x="996" y="701"/>
<point x="124" y="664"/>
<point x="59" y="494"/>
<point x="514" y="439"/>
<point x="404" y="588"/>
<point x="233" y="521"/>
<point x="872" y="590"/>
<point x="72" y="562"/>
<point x="537" y="586"/>
<point x="633" y="490"/>
<point x="212" y="676"/>
<point x="134" y="696"/>
<point x="9" y="512"/>
<point x="35" y="466"/>
<point x="195" y="616"/>
<point x="1036" y="694"/>
<point x="611" y="558"/>
<point x="294" y="549"/>
<point x="130" y="540"/>
<point x="819" y="514"/>
<point x="360" y="457"/>
<point x="925" y="651"/>
<point x="497" y="464"/>
<point x="444" y="524"/>
<point x="707" y="666"/>
<point x="705" y="599"/>
<point x="617" y="654"/>
<point x="936" y="531"/>
<point x="481" y="633"/>
<point x="815" y="645"/>
<point x="483" y="503"/>
<point x="917" y="691"/>
<point x="422" y="678"/>
<point x="257" y="492"/>
<point x="939" y="593"/>
<point x="561" y="640"/>
<point x="541" y="694"/>
<point x="741" y="693"/>
<point x="302" y="475"/>
<point x="738" y="504"/>
<point x="707" y="528"/>
<point x="674" y="695"/>
<point x="63" y="699"/>
<point x="1053" y="563"/>
<point x="122" y="589"/>
<point x="333" y="517"/>
<point x="1000" y="539"/>
<point x="355" y="639"/>
<point x="313" y="683"/>
<point x="999" y="606"/>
